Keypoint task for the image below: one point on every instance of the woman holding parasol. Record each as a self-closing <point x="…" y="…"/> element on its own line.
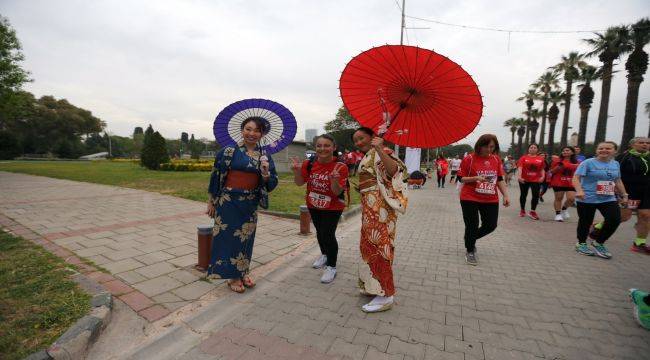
<point x="383" y="193"/>
<point x="414" y="97"/>
<point x="243" y="175"/>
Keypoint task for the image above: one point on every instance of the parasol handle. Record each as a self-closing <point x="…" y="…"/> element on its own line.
<point x="388" y="119"/>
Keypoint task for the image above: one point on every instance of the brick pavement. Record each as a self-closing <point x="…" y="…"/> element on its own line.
<point x="531" y="297"/>
<point x="145" y="242"/>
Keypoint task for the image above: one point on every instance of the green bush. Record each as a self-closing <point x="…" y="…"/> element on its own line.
<point x="154" y="150"/>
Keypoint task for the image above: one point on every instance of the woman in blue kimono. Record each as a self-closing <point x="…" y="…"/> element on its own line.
<point x="240" y="181"/>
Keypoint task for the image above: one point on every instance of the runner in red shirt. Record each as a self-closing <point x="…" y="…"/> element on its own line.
<point x="442" y="168"/>
<point x="326" y="180"/>
<point x="481" y="174"/>
<point x="562" y="169"/>
<point x="531" y="176"/>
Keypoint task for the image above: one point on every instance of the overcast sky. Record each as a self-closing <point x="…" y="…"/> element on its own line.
<point x="176" y="64"/>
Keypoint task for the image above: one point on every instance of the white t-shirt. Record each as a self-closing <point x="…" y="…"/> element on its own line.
<point x="455" y="164"/>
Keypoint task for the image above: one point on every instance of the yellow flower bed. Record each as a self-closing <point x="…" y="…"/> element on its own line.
<point x="187" y="165"/>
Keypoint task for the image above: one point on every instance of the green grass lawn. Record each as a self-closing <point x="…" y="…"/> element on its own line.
<point x="286" y="198"/>
<point x="38" y="302"/>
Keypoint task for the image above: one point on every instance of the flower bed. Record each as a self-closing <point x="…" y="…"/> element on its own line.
<point x="187" y="165"/>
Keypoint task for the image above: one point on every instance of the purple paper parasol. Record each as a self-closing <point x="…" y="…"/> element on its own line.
<point x="281" y="123"/>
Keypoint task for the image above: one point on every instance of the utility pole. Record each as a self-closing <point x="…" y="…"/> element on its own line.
<point x="401" y="42"/>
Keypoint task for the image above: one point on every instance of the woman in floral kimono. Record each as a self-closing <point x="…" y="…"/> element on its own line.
<point x="240" y="181"/>
<point x="383" y="194"/>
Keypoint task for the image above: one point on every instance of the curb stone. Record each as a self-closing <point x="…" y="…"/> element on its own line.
<point x="74" y="343"/>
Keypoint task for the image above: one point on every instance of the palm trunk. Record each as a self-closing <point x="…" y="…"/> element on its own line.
<point x="519" y="146"/>
<point x="567" y="109"/>
<point x="542" y="131"/>
<point x="551" y="136"/>
<point x="601" y="126"/>
<point x="631" y="103"/>
<point x="584" y="116"/>
<point x="512" y="140"/>
<point x="527" y="128"/>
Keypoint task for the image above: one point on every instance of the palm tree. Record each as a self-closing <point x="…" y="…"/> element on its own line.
<point x="569" y="66"/>
<point x="534" y="125"/>
<point x="585" y="99"/>
<point x="554" y="97"/>
<point x="512" y="124"/>
<point x="521" y="130"/>
<point x="547" y="82"/>
<point x="608" y="46"/>
<point x="529" y="97"/>
<point x="636" y="66"/>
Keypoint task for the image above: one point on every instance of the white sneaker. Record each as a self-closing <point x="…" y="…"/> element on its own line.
<point x="559" y="217"/>
<point x="566" y="215"/>
<point x="328" y="275"/>
<point x="319" y="262"/>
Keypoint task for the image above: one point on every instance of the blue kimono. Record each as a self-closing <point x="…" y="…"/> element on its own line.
<point x="235" y="217"/>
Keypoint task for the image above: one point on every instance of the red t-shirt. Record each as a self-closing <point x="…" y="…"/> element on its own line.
<point x="444" y="166"/>
<point x="562" y="176"/>
<point x="319" y="191"/>
<point x="489" y="167"/>
<point x="531" y="168"/>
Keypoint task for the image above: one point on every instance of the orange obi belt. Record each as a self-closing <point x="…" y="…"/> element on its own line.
<point x="243" y="180"/>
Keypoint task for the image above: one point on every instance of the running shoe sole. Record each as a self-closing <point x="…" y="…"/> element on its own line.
<point x="601" y="255"/>
<point x="635" y="308"/>
<point x="636" y="249"/>
<point x="470" y="263"/>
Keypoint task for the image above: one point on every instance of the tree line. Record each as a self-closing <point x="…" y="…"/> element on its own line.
<point x="47" y="126"/>
<point x="573" y="68"/>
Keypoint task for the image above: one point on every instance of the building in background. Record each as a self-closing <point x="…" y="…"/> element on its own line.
<point x="310" y="134"/>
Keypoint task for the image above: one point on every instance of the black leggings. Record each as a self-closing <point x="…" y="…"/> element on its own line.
<point x="325" y="222"/>
<point x="534" y="188"/>
<point x="489" y="213"/>
<point x="441" y="180"/>
<point x="609" y="210"/>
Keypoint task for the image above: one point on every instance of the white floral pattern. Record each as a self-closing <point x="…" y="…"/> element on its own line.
<point x="247" y="229"/>
<point x="218" y="225"/>
<point x="241" y="262"/>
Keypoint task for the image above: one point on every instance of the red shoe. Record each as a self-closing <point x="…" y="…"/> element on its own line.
<point x="643" y="249"/>
<point x="522" y="213"/>
<point x="533" y="215"/>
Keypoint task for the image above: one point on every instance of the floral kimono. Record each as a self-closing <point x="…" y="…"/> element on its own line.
<point x="235" y="217"/>
<point x="380" y="202"/>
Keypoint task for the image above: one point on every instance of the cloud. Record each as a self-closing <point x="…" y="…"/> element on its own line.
<point x="176" y="64"/>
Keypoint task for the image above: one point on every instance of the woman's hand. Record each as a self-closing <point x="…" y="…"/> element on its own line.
<point x="623" y="201"/>
<point x="480" y="178"/>
<point x="335" y="176"/>
<point x="264" y="166"/>
<point x="506" y="200"/>
<point x="580" y="194"/>
<point x="211" y="209"/>
<point x="377" y="143"/>
<point x="295" y="164"/>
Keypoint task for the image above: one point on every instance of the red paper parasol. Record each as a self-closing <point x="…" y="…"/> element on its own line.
<point x="431" y="100"/>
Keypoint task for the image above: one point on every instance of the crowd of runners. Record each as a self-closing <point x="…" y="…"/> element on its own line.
<point x="616" y="186"/>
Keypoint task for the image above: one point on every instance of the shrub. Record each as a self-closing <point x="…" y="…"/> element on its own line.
<point x="154" y="150"/>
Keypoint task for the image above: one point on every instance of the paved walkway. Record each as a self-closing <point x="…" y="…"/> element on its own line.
<point x="145" y="242"/>
<point x="531" y="297"/>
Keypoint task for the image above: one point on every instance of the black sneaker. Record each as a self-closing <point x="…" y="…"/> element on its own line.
<point x="471" y="258"/>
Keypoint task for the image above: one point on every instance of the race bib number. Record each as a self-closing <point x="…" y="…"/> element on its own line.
<point x="487" y="188"/>
<point x="319" y="201"/>
<point x="605" y="188"/>
<point x="633" y="204"/>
